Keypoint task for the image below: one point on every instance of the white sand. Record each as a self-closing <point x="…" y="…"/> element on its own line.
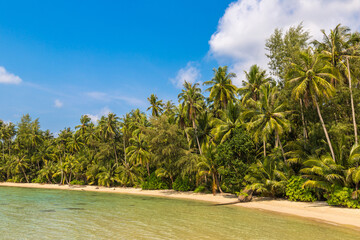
<point x="319" y="211"/>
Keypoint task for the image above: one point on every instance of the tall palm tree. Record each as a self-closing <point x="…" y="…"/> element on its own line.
<point x="308" y="80"/>
<point x="340" y="45"/>
<point x="268" y="117"/>
<point x="138" y="151"/>
<point x="222" y="91"/>
<point x="192" y="101"/>
<point x="156" y="106"/>
<point x="255" y="78"/>
<point x="109" y="128"/>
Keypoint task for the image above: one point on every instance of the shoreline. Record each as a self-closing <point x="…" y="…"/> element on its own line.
<point x="318" y="211"/>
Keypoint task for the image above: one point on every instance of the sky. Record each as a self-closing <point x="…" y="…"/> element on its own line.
<point x="62" y="59"/>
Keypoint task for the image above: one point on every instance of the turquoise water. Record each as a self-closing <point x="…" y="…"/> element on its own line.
<point x="60" y="214"/>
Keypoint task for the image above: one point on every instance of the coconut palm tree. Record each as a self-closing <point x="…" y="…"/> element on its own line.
<point x="267" y="117"/>
<point x="308" y="80"/>
<point x="138" y="150"/>
<point x="222" y="91"/>
<point x="340" y="45"/>
<point x="228" y="120"/>
<point x="322" y="173"/>
<point x="156" y="106"/>
<point x="255" y="78"/>
<point x="109" y="129"/>
<point x="192" y="103"/>
<point x="207" y="166"/>
<point x="266" y="177"/>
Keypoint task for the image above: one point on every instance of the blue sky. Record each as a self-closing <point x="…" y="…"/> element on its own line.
<point x="97" y="56"/>
<point x="62" y="59"/>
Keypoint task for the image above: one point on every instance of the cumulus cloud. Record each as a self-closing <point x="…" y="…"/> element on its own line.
<point x="189" y="73"/>
<point x="101" y="96"/>
<point x="245" y="26"/>
<point x="96" y="117"/>
<point x="58" y="103"/>
<point x="8" y="78"/>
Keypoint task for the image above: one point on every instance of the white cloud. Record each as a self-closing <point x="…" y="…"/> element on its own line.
<point x="190" y="73"/>
<point x="96" y="117"/>
<point x="101" y="96"/>
<point x="8" y="78"/>
<point x="58" y="103"/>
<point x="246" y="24"/>
<point x="98" y="95"/>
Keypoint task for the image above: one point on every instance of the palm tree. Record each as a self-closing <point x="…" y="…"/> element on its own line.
<point x="227" y="123"/>
<point x="339" y="46"/>
<point x="156" y="106"/>
<point x="108" y="176"/>
<point x="309" y="82"/>
<point x="353" y="172"/>
<point x="129" y="174"/>
<point x="266" y="177"/>
<point x="255" y="78"/>
<point x="109" y="127"/>
<point x="267" y="117"/>
<point x="192" y="100"/>
<point x="207" y="166"/>
<point x="138" y="151"/>
<point x="222" y="91"/>
<point x="322" y="173"/>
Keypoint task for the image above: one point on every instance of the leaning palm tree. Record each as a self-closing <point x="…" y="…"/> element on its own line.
<point x="340" y="45"/>
<point x="191" y="100"/>
<point x="267" y="117"/>
<point x="222" y="91"/>
<point x="309" y="82"/>
<point x="156" y="106"/>
<point x="255" y="78"/>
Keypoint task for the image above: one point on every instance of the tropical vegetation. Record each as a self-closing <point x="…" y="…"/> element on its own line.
<point x="290" y="132"/>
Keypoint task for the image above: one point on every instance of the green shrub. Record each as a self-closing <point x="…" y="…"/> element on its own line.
<point x="200" y="189"/>
<point x="181" y="184"/>
<point x="153" y="183"/>
<point x="342" y="197"/>
<point x="295" y="191"/>
<point x="77" y="182"/>
<point x="39" y="180"/>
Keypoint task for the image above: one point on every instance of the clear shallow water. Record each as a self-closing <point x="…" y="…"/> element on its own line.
<point x="60" y="214"/>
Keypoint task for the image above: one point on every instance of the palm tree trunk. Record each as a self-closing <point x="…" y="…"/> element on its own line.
<point x="27" y="180"/>
<point x="116" y="159"/>
<point x="197" y="139"/>
<point x="352" y="102"/>
<point x="303" y="119"/>
<point x="124" y="150"/>
<point x="264" y="144"/>
<point x="324" y="127"/>
<point x="218" y="183"/>
<point x="213" y="184"/>
<point x="148" y="168"/>
<point x="281" y="147"/>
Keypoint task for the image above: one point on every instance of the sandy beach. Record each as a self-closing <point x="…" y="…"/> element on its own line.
<point x="318" y="211"/>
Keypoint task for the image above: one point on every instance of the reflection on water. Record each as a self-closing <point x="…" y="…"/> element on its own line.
<point x="49" y="214"/>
